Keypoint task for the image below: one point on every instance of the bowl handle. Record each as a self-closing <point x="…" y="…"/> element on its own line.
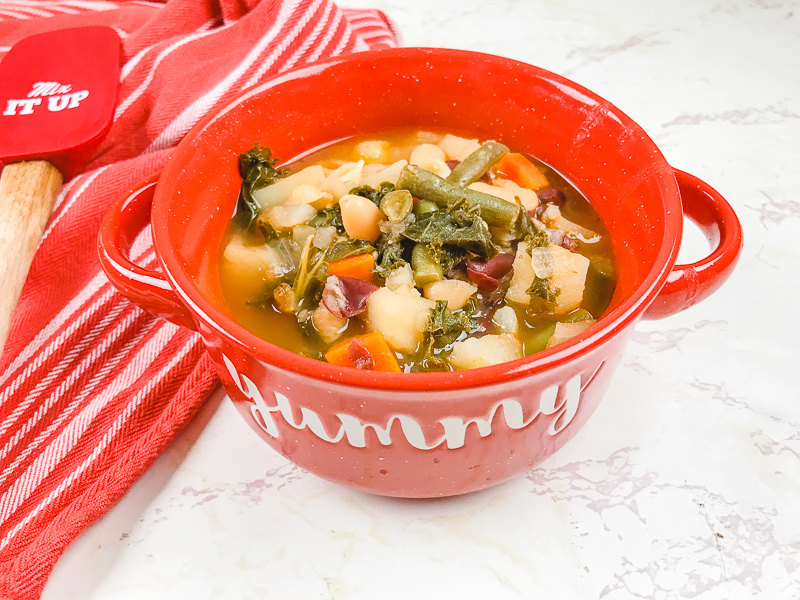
<point x="689" y="284"/>
<point x="127" y="217"/>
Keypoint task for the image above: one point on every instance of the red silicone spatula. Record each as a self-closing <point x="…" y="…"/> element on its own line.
<point x="58" y="91"/>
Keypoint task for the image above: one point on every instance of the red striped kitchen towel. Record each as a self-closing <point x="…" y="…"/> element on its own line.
<point x="92" y="388"/>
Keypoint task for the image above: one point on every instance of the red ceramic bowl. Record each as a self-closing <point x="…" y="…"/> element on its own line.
<point x="426" y="434"/>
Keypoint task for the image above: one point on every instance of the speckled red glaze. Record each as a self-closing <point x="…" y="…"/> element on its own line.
<point x="421" y="435"/>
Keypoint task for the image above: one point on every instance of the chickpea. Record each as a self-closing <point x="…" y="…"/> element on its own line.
<point x="360" y="217"/>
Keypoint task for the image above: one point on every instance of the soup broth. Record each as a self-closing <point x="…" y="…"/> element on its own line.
<point x="413" y="251"/>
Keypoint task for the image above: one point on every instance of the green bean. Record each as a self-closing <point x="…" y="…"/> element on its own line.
<point x="603" y="267"/>
<point x="476" y="164"/>
<point x="423" y="207"/>
<point x="537" y="340"/>
<point x="424" y="184"/>
<point x="397" y="204"/>
<point x="424" y="265"/>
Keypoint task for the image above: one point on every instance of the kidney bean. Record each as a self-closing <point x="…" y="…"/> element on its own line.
<point x="551" y="196"/>
<point x="482" y="280"/>
<point x="487" y="273"/>
<point x="346" y="297"/>
<point x="359" y="354"/>
<point x="487" y="177"/>
<point x="569" y="244"/>
<point x="536" y="213"/>
<point x="494" y="267"/>
<point x="490" y="301"/>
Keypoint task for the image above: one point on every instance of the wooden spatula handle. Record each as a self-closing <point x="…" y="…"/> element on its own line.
<point x="28" y="191"/>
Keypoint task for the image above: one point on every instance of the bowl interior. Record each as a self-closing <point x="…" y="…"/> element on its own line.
<point x="586" y="139"/>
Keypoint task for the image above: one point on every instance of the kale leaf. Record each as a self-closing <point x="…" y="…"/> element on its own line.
<point x="448" y="257"/>
<point x="391" y="258"/>
<point x="393" y="250"/>
<point x="537" y="239"/>
<point x="540" y="287"/>
<point x="258" y="170"/>
<point x="460" y="226"/>
<point x="444" y="328"/>
<point x="328" y="217"/>
<point x="349" y="247"/>
<point x="372" y="194"/>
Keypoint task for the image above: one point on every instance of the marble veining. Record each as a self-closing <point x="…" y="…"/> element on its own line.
<point x="685" y="484"/>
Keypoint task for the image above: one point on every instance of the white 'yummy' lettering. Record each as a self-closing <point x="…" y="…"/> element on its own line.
<point x="561" y="406"/>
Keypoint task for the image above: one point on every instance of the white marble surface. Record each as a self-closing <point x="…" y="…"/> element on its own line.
<point x="686" y="482"/>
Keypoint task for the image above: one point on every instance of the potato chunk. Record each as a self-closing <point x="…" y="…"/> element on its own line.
<point x="506" y="319"/>
<point x="431" y="158"/>
<point x="278" y="192"/>
<point x="401" y="318"/>
<point x="305" y="193"/>
<point x="262" y="262"/>
<point x="568" y="276"/>
<point x="509" y="192"/>
<point x="286" y="217"/>
<point x="454" y="291"/>
<point x="373" y="151"/>
<point x="458" y="148"/>
<point x="472" y="353"/>
<point x="376" y="177"/>
<point x="565" y="331"/>
<point x="351" y="172"/>
<point x="522" y="278"/>
<point x="552" y="218"/>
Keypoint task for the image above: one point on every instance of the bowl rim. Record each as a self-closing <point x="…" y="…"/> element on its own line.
<point x="625" y="314"/>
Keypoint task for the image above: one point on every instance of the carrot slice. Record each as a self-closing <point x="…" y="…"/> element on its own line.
<point x="383" y="358"/>
<point x="521" y="171"/>
<point x="359" y="266"/>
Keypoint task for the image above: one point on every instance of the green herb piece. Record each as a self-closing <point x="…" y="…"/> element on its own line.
<point x="267" y="231"/>
<point x="393" y="250"/>
<point x="306" y="324"/>
<point x="541" y="288"/>
<point x="350" y="247"/>
<point x="525" y="228"/>
<point x="603" y="267"/>
<point x="372" y="194"/>
<point x="391" y="258"/>
<point x="448" y="257"/>
<point x="328" y="217"/>
<point x="538" y="239"/>
<point x="258" y="170"/>
<point x="444" y="328"/>
<point x="460" y="226"/>
<point x="313" y="269"/>
<point x="309" y="281"/>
